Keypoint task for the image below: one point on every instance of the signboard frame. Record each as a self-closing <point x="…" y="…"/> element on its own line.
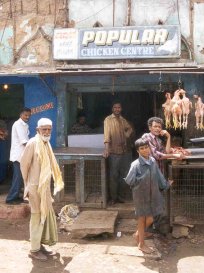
<point x="142" y="42"/>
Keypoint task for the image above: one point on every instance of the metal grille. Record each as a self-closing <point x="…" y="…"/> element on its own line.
<point x="187" y="192"/>
<point x="92" y="181"/>
<point x="69" y="178"/>
<point x="85" y="181"/>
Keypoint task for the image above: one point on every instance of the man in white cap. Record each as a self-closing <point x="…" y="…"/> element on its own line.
<point x="38" y="165"/>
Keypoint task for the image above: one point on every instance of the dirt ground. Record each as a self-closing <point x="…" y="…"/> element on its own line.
<point x="14" y="248"/>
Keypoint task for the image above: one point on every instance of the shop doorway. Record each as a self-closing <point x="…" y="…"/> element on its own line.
<point x="137" y="108"/>
<point x="11" y="101"/>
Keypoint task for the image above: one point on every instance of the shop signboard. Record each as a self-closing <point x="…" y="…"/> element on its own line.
<point x="162" y="41"/>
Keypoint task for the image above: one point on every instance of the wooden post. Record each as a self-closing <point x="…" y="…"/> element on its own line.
<point x="129" y="12"/>
<point x="113" y="13"/>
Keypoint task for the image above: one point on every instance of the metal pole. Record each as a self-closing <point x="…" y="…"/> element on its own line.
<point x="113" y="13"/>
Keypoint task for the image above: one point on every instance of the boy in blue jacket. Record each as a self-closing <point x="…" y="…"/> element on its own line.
<point x="146" y="182"/>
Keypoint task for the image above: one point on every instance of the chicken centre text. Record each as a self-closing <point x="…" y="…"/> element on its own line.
<point x="122" y="42"/>
<point x="125" y="37"/>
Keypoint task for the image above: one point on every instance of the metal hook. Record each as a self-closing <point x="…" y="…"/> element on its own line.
<point x="113" y="85"/>
<point x="160" y="78"/>
<point x="179" y="81"/>
<point x="160" y="83"/>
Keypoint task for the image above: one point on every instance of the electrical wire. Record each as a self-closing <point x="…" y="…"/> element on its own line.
<point x="18" y="11"/>
<point x="111" y="2"/>
<point x="27" y="11"/>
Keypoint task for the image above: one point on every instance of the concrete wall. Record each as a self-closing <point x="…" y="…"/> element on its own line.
<point x="26" y="30"/>
<point x="85" y="13"/>
<point x="26" y="27"/>
<point x="198" y="30"/>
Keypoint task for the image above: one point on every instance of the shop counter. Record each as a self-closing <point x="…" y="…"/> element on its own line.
<point x="186" y="195"/>
<point x="84" y="174"/>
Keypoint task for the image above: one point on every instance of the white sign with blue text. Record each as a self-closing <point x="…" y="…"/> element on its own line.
<point x="160" y="41"/>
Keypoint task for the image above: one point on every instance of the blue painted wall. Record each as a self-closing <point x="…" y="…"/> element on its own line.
<point x="37" y="93"/>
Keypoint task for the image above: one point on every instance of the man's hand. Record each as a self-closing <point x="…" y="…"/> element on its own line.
<point x="164" y="133"/>
<point x="179" y="156"/>
<point x="106" y="153"/>
<point x="57" y="190"/>
<point x="26" y="196"/>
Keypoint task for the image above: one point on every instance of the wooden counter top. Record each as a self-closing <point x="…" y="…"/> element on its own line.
<point x="78" y="151"/>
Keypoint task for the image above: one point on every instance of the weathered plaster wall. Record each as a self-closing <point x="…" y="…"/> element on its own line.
<point x="6" y="49"/>
<point x="150" y="12"/>
<point x="26" y="27"/>
<point x="85" y="13"/>
<point x="183" y="18"/>
<point x="198" y="32"/>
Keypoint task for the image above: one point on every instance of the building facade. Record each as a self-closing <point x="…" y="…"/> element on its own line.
<point x="56" y="86"/>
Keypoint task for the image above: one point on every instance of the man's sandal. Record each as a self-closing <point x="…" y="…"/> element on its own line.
<point x="38" y="255"/>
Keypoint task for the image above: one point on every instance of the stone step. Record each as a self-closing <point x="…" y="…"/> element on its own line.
<point x="125" y="226"/>
<point x="14" y="211"/>
<point x="8" y="211"/>
<point x="125" y="210"/>
<point x="93" y="223"/>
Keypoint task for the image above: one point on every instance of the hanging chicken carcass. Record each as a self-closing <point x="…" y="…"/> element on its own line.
<point x="199" y="112"/>
<point x="167" y="110"/>
<point x="176" y="109"/>
<point x="186" y="105"/>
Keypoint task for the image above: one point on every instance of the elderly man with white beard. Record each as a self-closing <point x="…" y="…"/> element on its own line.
<point x="38" y="165"/>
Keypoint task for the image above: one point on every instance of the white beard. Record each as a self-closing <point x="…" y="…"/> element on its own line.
<point x="45" y="138"/>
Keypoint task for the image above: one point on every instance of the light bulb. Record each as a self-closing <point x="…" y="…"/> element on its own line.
<point x="5" y="86"/>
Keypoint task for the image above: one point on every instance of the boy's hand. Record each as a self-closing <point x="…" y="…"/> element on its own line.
<point x="170" y="181"/>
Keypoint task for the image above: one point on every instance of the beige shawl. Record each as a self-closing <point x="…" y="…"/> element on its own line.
<point x="49" y="167"/>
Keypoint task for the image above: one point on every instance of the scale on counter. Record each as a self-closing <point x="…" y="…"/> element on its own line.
<point x="195" y="150"/>
<point x="197" y="140"/>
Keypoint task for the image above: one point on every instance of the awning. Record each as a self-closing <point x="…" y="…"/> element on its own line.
<point x="111" y="68"/>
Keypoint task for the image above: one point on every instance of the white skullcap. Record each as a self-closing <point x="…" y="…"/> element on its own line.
<point x="44" y="121"/>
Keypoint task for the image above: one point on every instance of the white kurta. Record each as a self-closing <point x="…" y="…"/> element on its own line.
<point x="30" y="168"/>
<point x="19" y="137"/>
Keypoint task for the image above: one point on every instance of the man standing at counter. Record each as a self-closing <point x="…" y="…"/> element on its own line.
<point x="158" y="150"/>
<point x="116" y="133"/>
